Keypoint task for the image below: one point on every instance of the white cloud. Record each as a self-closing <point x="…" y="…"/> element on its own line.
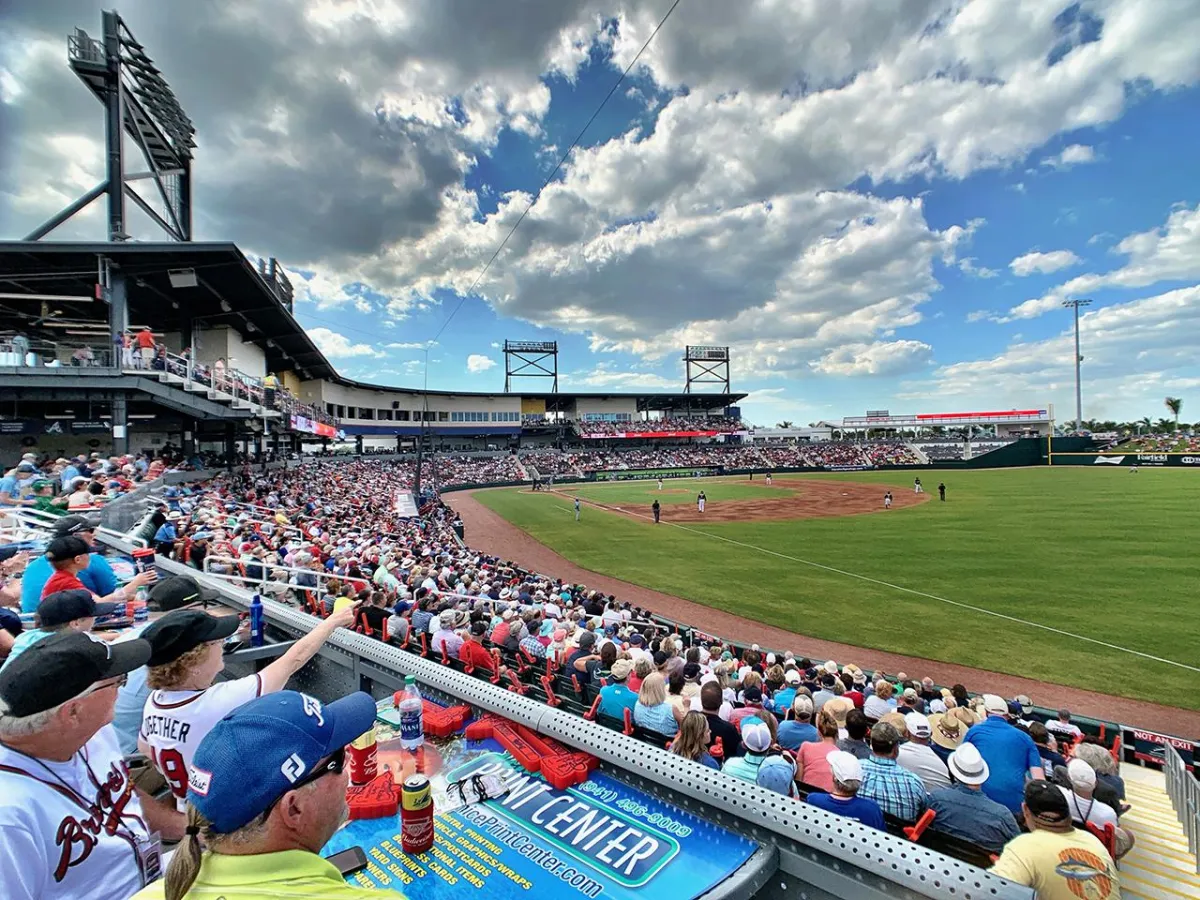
<point x="477" y="363"/>
<point x="338" y="346"/>
<point x="610" y="375"/>
<point x="1045" y="263"/>
<point x="1168" y="253"/>
<point x="967" y="265"/>
<point x="405" y="345"/>
<point x="879" y="358"/>
<point x="1072" y="155"/>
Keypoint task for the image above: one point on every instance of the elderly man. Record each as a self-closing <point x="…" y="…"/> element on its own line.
<point x="1009" y="752"/>
<point x="73" y="824"/>
<point x="97" y="577"/>
<point x="896" y="790"/>
<point x="964" y="811"/>
<point x="843" y="800"/>
<point x="918" y="757"/>
<point x="1085" y="808"/>
<point x="267" y="791"/>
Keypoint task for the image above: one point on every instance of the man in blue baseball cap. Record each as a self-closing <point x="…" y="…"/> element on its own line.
<point x="267" y="790"/>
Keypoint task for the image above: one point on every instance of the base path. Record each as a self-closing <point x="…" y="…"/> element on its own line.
<point x="491" y="533"/>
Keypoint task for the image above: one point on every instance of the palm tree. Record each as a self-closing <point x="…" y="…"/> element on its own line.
<point x="1174" y="404"/>
<point x="786" y="423"/>
<point x="1145" y="422"/>
<point x="1162" y="426"/>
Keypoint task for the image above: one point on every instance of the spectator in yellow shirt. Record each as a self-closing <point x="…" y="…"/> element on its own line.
<point x="1055" y="859"/>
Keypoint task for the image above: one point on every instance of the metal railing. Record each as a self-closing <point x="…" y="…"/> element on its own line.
<point x="1184" y="791"/>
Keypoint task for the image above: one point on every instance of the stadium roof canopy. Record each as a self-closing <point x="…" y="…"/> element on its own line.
<point x="228" y="291"/>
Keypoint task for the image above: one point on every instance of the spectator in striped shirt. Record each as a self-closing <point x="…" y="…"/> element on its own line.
<point x="896" y="790"/>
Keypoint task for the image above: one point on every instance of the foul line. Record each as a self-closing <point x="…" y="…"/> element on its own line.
<point x="888" y="584"/>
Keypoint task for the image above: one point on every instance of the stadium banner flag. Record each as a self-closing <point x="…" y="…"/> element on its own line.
<point x="645" y="474"/>
<point x="601" y="838"/>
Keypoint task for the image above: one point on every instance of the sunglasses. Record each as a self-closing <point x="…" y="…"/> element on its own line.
<point x="118" y="682"/>
<point x="333" y="765"/>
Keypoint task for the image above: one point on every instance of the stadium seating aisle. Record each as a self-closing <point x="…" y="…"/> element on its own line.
<point x="1159" y="865"/>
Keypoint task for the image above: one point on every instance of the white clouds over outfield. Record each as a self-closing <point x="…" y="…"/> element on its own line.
<point x="772" y="200"/>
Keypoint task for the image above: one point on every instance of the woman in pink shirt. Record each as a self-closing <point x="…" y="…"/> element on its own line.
<point x="812" y="767"/>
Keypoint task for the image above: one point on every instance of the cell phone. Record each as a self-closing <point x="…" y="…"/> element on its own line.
<point x="349" y="861"/>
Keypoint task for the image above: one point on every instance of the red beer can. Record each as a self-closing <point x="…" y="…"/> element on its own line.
<point x="362" y="758"/>
<point x="416" y="814"/>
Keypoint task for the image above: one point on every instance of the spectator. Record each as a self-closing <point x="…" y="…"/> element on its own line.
<point x="61" y="768"/>
<point x="1086" y="809"/>
<point x="693" y="739"/>
<point x="1009" y="752"/>
<point x="964" y="811"/>
<point x="70" y="610"/>
<point x="880" y="703"/>
<point x="616" y="697"/>
<point x="896" y="790"/>
<point x="472" y="652"/>
<point x="798" y="730"/>
<point x="97" y="576"/>
<point x="652" y="711"/>
<point x="947" y="733"/>
<point x="843" y="800"/>
<point x="812" y="763"/>
<point x="757" y="764"/>
<point x="711" y="699"/>
<point x="187" y="655"/>
<point x="1110" y="787"/>
<point x="268" y="791"/>
<point x="855" y="742"/>
<point x="1047" y="747"/>
<point x="1057" y="860"/>
<point x="70" y="556"/>
<point x="918" y="757"/>
<point x="1064" y="726"/>
<point x="446" y="638"/>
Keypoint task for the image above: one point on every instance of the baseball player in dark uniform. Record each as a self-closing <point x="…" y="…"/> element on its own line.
<point x="657" y="511"/>
<point x="942" y="491"/>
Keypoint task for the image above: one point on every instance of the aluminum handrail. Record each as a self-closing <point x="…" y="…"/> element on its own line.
<point x="835" y="854"/>
<point x="1184" y="791"/>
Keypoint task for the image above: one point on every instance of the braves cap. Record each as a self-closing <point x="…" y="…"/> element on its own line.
<point x="61" y="667"/>
<point x="254" y="755"/>
<point x="174" y="592"/>
<point x="62" y="607"/>
<point x="74" y="525"/>
<point x="66" y="547"/>
<point x="185" y="629"/>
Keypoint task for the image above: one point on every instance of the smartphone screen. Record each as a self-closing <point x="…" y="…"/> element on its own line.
<point x="349" y="861"/>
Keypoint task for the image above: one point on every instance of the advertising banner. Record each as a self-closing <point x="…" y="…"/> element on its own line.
<point x="599" y="839"/>
<point x="1152" y="460"/>
<point x="651" y="434"/>
<point x="1148" y="746"/>
<point x="644" y="474"/>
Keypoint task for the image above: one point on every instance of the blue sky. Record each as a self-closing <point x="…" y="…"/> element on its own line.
<point x="881" y="210"/>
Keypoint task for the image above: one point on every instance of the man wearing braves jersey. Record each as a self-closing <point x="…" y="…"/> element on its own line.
<point x="71" y="823"/>
<point x="184" y="704"/>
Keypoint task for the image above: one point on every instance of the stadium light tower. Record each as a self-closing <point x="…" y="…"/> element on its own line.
<point x="1075" y="304"/>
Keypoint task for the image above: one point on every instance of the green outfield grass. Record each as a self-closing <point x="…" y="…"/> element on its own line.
<point x="1100" y="553"/>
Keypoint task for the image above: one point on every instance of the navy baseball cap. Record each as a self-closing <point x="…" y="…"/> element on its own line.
<point x="254" y="755"/>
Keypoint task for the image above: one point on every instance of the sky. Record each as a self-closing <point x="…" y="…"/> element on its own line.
<point x="875" y="206"/>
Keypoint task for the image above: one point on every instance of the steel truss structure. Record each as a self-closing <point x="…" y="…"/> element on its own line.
<point x="139" y="103"/>
<point x="530" y="359"/>
<point x="706" y="366"/>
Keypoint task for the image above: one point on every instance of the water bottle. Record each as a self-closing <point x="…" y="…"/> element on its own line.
<point x="412" y="715"/>
<point x="256" y="621"/>
<point x="141" y="612"/>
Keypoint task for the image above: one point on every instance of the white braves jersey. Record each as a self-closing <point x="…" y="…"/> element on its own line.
<point x="175" y="722"/>
<point x="70" y="829"/>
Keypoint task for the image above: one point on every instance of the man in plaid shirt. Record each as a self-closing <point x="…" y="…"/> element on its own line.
<point x="896" y="790"/>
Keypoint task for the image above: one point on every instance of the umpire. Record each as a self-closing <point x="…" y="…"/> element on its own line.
<point x="657" y="511"/>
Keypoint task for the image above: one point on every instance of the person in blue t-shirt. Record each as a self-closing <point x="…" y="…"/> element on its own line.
<point x="843" y="801"/>
<point x="1011" y="755"/>
<point x="98" y="577"/>
<point x="615" y="697"/>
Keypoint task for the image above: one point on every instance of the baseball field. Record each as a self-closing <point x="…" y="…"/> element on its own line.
<point x="1076" y="576"/>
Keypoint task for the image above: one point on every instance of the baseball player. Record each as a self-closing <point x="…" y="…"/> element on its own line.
<point x="576" y="509"/>
<point x="918" y="488"/>
<point x="768" y="479"/>
<point x="657" y="511"/>
<point x="887" y="500"/>
<point x="184" y="704"/>
<point x="660" y="483"/>
<point x="700" y="500"/>
<point x="942" y="491"/>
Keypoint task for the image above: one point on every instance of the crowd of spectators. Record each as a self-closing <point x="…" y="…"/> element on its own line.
<point x="1162" y="443"/>
<point x="57" y="486"/>
<point x="593" y="428"/>
<point x="880" y="749"/>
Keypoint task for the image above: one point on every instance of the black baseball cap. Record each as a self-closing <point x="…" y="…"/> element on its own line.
<point x="67" y="547"/>
<point x="61" y="667"/>
<point x="62" y="607"/>
<point x="1047" y="804"/>
<point x="74" y="525"/>
<point x="174" y="592"/>
<point x="185" y="629"/>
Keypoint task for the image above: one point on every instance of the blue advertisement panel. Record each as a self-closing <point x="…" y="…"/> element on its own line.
<point x="598" y="839"/>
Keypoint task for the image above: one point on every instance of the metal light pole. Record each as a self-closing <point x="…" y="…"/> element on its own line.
<point x="1075" y="304"/>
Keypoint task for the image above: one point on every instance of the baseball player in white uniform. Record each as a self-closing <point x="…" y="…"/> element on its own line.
<point x="700" y="500"/>
<point x="74" y="827"/>
<point x="187" y="656"/>
<point x="887" y="500"/>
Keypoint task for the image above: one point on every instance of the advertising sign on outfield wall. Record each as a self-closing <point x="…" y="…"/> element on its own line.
<point x="645" y="474"/>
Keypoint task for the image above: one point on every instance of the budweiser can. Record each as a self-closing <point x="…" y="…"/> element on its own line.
<point x="362" y="758"/>
<point x="416" y="815"/>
